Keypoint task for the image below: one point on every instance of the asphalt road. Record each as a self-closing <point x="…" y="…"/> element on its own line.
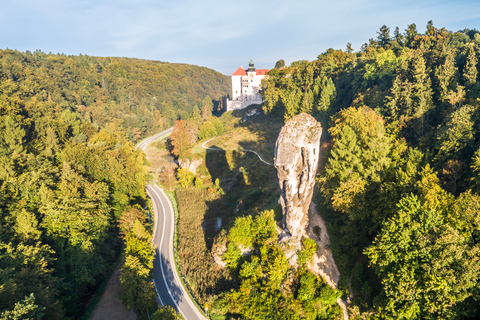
<point x="165" y="278"/>
<point x="167" y="283"/>
<point x="144" y="144"/>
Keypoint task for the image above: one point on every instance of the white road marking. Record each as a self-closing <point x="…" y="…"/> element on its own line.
<point x="159" y="260"/>
<point x="153" y="240"/>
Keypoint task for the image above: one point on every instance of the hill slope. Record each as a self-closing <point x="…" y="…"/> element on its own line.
<point x="141" y="96"/>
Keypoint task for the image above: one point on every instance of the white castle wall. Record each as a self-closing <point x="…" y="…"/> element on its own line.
<point x="240" y="104"/>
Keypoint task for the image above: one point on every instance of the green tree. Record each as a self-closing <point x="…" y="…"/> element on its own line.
<point x="309" y="249"/>
<point x="398" y="37"/>
<point x="25" y="309"/>
<point x="410" y="34"/>
<point x="455" y="137"/>
<point x="470" y="72"/>
<point x="136" y="272"/>
<point x="383" y="37"/>
<point x="185" y="177"/>
<point x="280" y="64"/>
<point x="166" y="313"/>
<point x="421" y="94"/>
<point x="425" y="265"/>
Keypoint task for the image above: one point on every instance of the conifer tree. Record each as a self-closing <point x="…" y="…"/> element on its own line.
<point x="410" y="34"/>
<point x="421" y="95"/>
<point x="470" y="71"/>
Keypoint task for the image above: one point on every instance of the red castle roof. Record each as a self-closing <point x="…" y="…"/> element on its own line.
<point x="242" y="72"/>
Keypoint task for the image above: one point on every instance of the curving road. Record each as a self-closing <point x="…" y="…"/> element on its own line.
<point x="144" y="144"/>
<point x="167" y="283"/>
<point x="165" y="278"/>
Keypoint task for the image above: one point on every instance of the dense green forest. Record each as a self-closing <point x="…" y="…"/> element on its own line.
<point x="399" y="184"/>
<point x="60" y="198"/>
<point x="140" y="96"/>
<point x="72" y="185"/>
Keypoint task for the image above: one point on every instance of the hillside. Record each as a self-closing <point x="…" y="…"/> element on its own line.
<point x="398" y="186"/>
<point x="139" y="96"/>
<point x="72" y="185"/>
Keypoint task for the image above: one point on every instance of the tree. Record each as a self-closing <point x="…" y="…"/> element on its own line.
<point x="445" y="75"/>
<point x="195" y="116"/>
<point x="136" y="273"/>
<point x="207" y="108"/>
<point x="399" y="38"/>
<point x="410" y="34"/>
<point x="344" y="162"/>
<point x="309" y="249"/>
<point x="431" y="30"/>
<point x="383" y="37"/>
<point x="166" y="313"/>
<point x="185" y="177"/>
<point x="455" y="137"/>
<point x="421" y="94"/>
<point x="25" y="309"/>
<point x="349" y="48"/>
<point x="425" y="265"/>
<point x="128" y="218"/>
<point x="325" y="93"/>
<point x="280" y="64"/>
<point x="137" y="287"/>
<point x="470" y="71"/>
<point x="183" y="136"/>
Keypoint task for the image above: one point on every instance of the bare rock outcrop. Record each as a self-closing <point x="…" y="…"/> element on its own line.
<point x="190" y="165"/>
<point x="297" y="152"/>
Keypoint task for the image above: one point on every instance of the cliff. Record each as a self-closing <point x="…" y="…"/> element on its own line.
<point x="297" y="152"/>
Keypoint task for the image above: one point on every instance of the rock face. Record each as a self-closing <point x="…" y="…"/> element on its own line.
<point x="190" y="165"/>
<point x="297" y="152"/>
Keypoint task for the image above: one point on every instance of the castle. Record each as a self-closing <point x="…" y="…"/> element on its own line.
<point x="246" y="85"/>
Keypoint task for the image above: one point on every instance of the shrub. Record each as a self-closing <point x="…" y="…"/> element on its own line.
<point x="242" y="233"/>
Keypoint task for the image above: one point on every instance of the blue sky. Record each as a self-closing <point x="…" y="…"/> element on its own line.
<point x="221" y="35"/>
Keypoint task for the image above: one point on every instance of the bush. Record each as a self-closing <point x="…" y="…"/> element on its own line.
<point x="185" y="177"/>
<point x="309" y="249"/>
<point x="210" y="128"/>
<point x="242" y="233"/>
<point x="233" y="256"/>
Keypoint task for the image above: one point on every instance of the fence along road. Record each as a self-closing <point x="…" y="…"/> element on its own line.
<point x="167" y="283"/>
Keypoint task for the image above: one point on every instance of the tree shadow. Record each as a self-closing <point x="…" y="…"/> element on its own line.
<point x="249" y="185"/>
<point x="230" y="181"/>
<point x="171" y="294"/>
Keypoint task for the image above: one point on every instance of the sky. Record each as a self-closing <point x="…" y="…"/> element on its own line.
<point x="222" y="34"/>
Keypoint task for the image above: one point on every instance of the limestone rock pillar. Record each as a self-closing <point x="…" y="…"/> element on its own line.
<point x="297" y="153"/>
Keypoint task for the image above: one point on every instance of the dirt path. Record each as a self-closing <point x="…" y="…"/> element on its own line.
<point x="110" y="307"/>
<point x="323" y="262"/>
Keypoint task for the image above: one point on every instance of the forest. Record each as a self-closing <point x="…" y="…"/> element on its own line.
<point x="398" y="185"/>
<point x="72" y="185"/>
<point x="141" y="97"/>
